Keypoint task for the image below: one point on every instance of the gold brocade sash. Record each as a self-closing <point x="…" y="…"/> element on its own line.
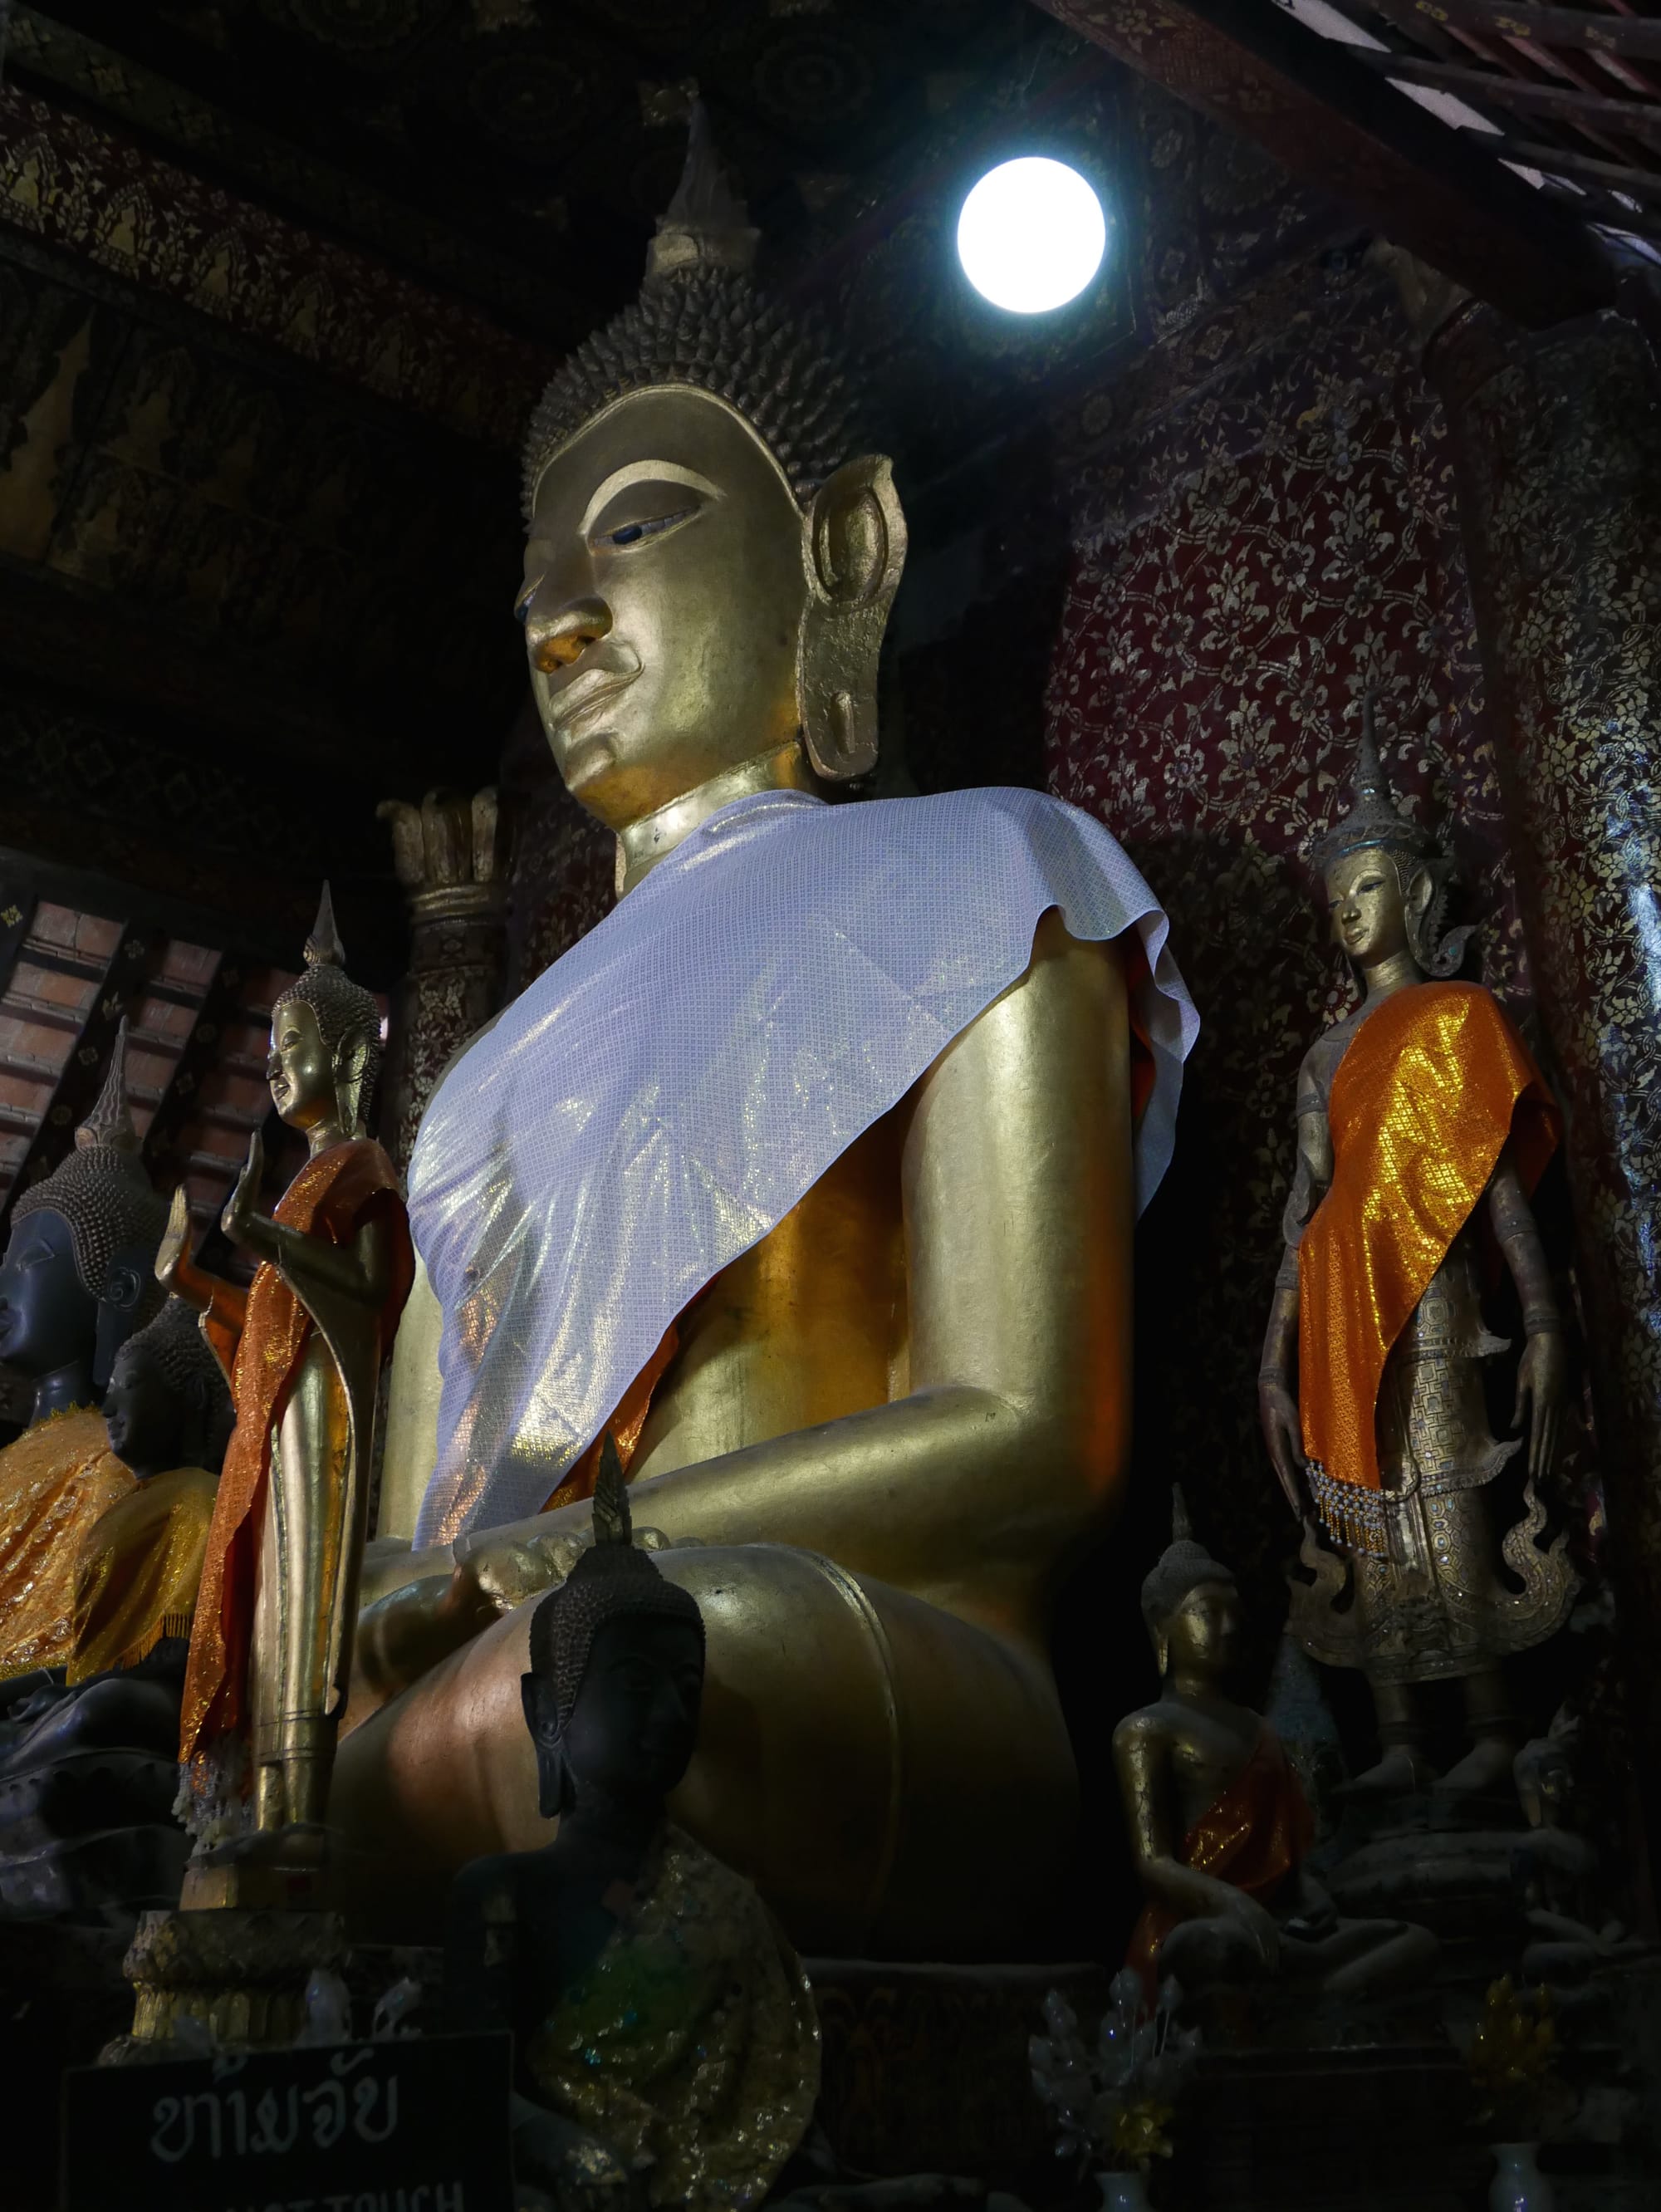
<point x="331" y="1196"/>
<point x="691" y="2046"/>
<point x="1433" y="1083"/>
<point x="138" y="1570"/>
<point x="56" y="1481"/>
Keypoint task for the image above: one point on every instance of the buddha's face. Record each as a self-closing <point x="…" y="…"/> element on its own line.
<point x="300" y="1068"/>
<point x="1203" y="1634"/>
<point x="632" y="1730"/>
<point x="1369" y="911"/>
<point x="141" y="1413"/>
<point x="48" y="1318"/>
<point x="664" y="590"/>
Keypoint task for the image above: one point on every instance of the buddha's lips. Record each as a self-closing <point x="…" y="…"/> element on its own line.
<point x="586" y="690"/>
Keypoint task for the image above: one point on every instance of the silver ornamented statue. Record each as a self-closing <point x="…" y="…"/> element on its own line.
<point x="1422" y="1126"/>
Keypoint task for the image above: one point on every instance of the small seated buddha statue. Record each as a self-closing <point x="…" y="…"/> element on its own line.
<point x="811" y="1171"/>
<point x="168" y="1410"/>
<point x="1219" y="1824"/>
<point x="656" y="2009"/>
<point x="1423" y="1126"/>
<point x="271" y="1639"/>
<point x="78" y="1279"/>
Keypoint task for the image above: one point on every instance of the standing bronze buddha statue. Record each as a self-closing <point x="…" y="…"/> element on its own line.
<point x="810" y="1172"/>
<point x="270" y="1646"/>
<point x="1421" y="1117"/>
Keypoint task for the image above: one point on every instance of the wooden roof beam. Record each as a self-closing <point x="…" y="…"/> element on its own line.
<point x="1632" y="118"/>
<point x="1519" y="20"/>
<point x="1436" y="191"/>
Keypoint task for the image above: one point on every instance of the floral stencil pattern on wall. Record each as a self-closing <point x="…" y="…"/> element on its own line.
<point x="1245" y="561"/>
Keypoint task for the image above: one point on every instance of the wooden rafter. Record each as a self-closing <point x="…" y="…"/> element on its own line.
<point x="121" y="983"/>
<point x="1337" y="124"/>
<point x="1632" y="118"/>
<point x="1573" y="161"/>
<point x="219" y="1006"/>
<point x="1638" y="35"/>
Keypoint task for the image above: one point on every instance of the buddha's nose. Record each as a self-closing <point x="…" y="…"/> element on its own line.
<point x="557" y="638"/>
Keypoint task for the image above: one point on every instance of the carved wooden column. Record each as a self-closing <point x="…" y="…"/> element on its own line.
<point x="451" y="860"/>
<point x="1557" y="444"/>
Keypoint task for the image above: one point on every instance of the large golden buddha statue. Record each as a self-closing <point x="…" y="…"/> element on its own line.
<point x="809" y="1174"/>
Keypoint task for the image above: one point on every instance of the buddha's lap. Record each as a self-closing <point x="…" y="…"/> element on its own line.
<point x="898" y="1781"/>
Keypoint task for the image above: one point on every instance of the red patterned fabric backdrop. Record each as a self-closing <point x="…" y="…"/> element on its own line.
<point x="1246" y="557"/>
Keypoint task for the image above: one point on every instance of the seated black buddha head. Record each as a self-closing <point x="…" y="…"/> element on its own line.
<point x="616" y="1670"/>
<point x="78" y="1276"/>
<point x="168" y="1404"/>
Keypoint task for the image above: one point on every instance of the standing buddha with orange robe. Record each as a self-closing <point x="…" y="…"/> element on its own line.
<point x="1423" y="1122"/>
<point x="270" y="1648"/>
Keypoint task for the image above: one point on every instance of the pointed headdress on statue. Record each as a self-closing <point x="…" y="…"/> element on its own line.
<point x="700" y="320"/>
<point x="1183" y="1566"/>
<point x="613" y="1580"/>
<point x="115" y="1217"/>
<point x="346" y="1013"/>
<point x="1374" y="823"/>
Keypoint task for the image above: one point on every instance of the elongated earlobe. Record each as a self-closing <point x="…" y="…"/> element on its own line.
<point x="853" y="548"/>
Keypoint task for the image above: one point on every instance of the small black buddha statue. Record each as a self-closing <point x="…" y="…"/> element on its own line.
<point x="78" y="1279"/>
<point x="168" y="1414"/>
<point x="666" y="2040"/>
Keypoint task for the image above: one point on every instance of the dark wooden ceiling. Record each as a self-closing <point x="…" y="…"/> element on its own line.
<point x="521" y="149"/>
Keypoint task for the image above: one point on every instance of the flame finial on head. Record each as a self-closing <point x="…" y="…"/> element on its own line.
<point x="1372" y="817"/>
<point x="322" y="947"/>
<point x="706" y="225"/>
<point x="110" y="1124"/>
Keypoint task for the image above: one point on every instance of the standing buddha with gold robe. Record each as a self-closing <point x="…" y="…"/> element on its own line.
<point x="811" y="1170"/>
<point x="1418" y="1115"/>
<point x="270" y="1647"/>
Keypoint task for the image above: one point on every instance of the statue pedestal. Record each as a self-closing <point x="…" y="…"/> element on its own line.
<point x="1374" y="2128"/>
<point x="927" y="2068"/>
<point x="1457" y="1865"/>
<point x="240" y="1974"/>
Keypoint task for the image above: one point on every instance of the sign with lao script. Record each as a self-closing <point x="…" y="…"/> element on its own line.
<point x="418" y="2123"/>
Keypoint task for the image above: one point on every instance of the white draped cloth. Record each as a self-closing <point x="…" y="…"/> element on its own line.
<point x="663" y="1094"/>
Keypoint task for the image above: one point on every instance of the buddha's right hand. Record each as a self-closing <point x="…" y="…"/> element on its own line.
<point x="1282" y="1432"/>
<point x="1258" y="1926"/>
<point x="505" y="1567"/>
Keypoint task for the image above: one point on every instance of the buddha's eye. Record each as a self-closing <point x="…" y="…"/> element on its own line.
<point x="631" y="533"/>
<point x="522" y="604"/>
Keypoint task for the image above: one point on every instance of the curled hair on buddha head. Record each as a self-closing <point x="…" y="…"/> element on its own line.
<point x="612" y="1580"/>
<point x="175" y="1347"/>
<point x="115" y="1217"/>
<point x="1183" y="1566"/>
<point x="346" y="1013"/>
<point x="1374" y="823"/>
<point x="700" y="320"/>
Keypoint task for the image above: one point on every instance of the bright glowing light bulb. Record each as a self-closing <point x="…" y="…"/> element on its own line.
<point x="1031" y="235"/>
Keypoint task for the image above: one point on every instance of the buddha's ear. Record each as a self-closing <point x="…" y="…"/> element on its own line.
<point x="351" y="1059"/>
<point x="853" y="548"/>
<point x="120" y="1303"/>
<point x="1162" y="1652"/>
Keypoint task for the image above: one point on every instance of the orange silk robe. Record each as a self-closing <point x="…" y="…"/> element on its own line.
<point x="1252" y="1836"/>
<point x="333" y="1196"/>
<point x="56" y="1481"/>
<point x="1434" y="1084"/>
